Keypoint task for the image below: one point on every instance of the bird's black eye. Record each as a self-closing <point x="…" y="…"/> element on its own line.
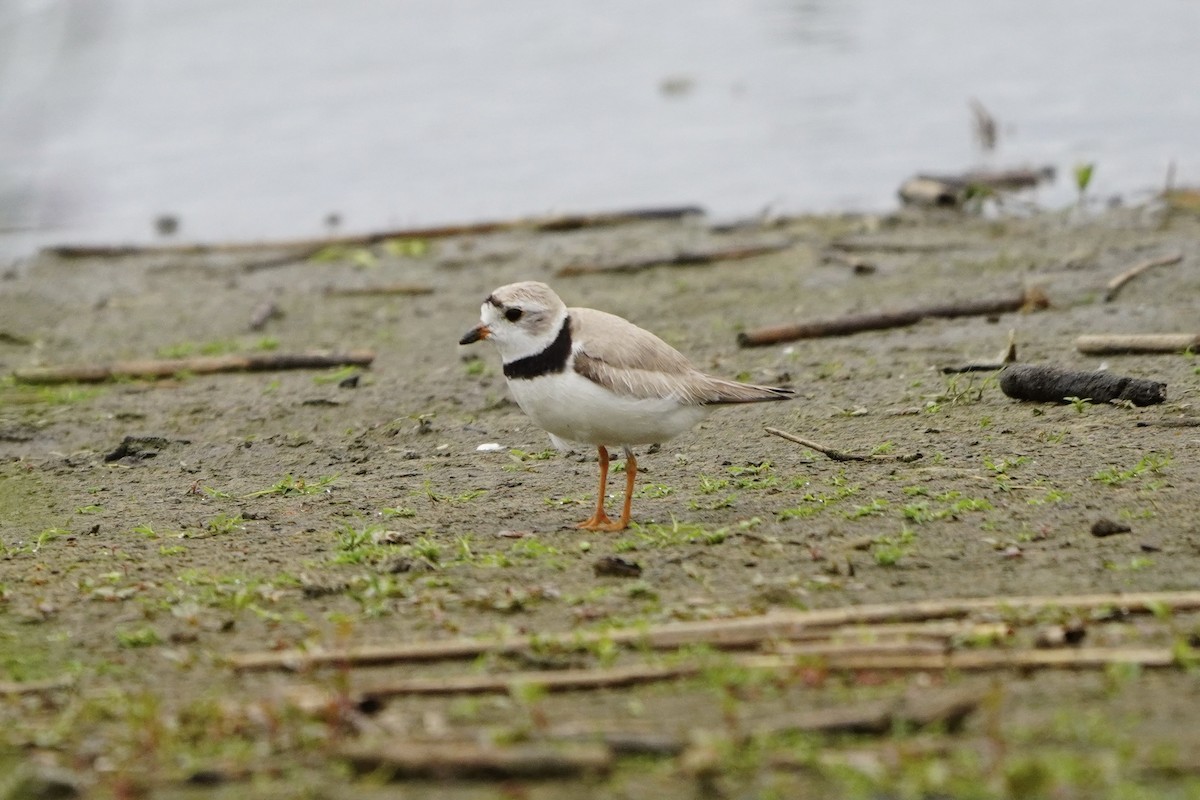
<point x="513" y="314"/>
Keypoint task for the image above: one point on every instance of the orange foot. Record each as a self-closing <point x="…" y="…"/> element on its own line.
<point x="604" y="523"/>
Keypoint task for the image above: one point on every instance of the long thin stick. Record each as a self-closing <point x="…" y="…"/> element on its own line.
<point x="35" y="687"/>
<point x="561" y="222"/>
<point x="1110" y="343"/>
<point x="738" y="632"/>
<point x="386" y="289"/>
<point x="685" y="258"/>
<point x="561" y="680"/>
<point x="984" y="660"/>
<point x="861" y="657"/>
<point x="838" y="455"/>
<point x="880" y="320"/>
<point x="199" y="365"/>
<point x="1117" y="283"/>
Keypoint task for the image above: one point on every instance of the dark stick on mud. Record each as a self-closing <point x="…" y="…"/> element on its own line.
<point x="838" y="455"/>
<point x="1117" y="283"/>
<point x="200" y="365"/>
<point x="562" y="222"/>
<point x="1029" y="299"/>
<point x="685" y="258"/>
<point x="447" y="760"/>
<point x="1112" y="344"/>
<point x="1045" y="384"/>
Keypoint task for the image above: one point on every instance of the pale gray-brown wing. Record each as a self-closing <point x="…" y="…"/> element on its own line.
<point x="633" y="362"/>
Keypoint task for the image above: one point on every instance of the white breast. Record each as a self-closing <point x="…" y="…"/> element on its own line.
<point x="576" y="409"/>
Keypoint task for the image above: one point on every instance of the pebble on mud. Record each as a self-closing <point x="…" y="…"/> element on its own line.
<point x="617" y="567"/>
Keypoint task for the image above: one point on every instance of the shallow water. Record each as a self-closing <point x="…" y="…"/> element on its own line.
<point x="252" y="120"/>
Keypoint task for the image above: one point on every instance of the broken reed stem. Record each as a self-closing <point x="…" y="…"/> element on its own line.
<point x="561" y="222"/>
<point x="838" y="455"/>
<point x="199" y="365"/>
<point x="1110" y="344"/>
<point x="1115" y="285"/>
<point x="738" y="632"/>
<point x="1030" y="299"/>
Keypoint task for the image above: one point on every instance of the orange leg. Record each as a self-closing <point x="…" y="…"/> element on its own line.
<point x="598" y="520"/>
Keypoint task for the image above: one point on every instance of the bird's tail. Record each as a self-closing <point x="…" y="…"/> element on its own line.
<point x="723" y="392"/>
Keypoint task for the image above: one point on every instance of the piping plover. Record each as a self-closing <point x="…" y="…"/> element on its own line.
<point x="591" y="377"/>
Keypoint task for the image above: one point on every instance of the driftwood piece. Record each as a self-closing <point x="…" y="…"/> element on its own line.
<point x="198" y="365"/>
<point x="1029" y="299"/>
<point x="838" y="455"/>
<point x="685" y="258"/>
<point x="1114" y="286"/>
<point x="738" y="632"/>
<point x="1047" y="384"/>
<point x="304" y="247"/>
<point x="466" y="759"/>
<point x="1111" y="344"/>
<point x="953" y="190"/>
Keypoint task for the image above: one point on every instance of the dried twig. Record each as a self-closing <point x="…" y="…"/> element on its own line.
<point x="199" y="365"/>
<point x="1007" y="356"/>
<point x="685" y="258"/>
<point x="738" y="632"/>
<point x="1047" y="384"/>
<point x="304" y="247"/>
<point x="1107" y="344"/>
<point x="551" y="680"/>
<point x="370" y="291"/>
<point x="1115" y="285"/>
<point x="1032" y="298"/>
<point x="838" y="455"/>
<point x="466" y="759"/>
<point x="35" y="687"/>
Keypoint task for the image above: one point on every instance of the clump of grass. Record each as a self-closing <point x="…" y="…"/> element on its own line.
<point x="888" y="550"/>
<point x="1151" y="462"/>
<point x="289" y="486"/>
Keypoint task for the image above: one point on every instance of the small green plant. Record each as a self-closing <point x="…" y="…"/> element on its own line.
<point x="337" y="375"/>
<point x="875" y="508"/>
<point x="1151" y="462"/>
<point x="1083" y="174"/>
<point x="290" y="485"/>
<point x="138" y="637"/>
<point x="1080" y="404"/>
<point x="888" y="550"/>
<point x="225" y="523"/>
<point x="406" y="247"/>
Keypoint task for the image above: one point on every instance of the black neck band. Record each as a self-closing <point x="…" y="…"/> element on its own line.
<point x="552" y="359"/>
